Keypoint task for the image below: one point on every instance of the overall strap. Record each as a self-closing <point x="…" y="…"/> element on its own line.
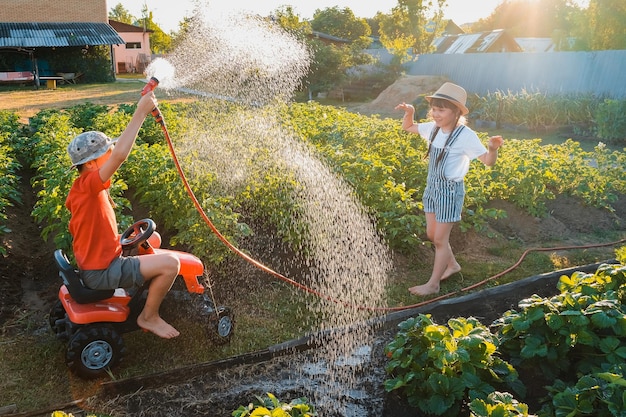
<point x="453" y="136"/>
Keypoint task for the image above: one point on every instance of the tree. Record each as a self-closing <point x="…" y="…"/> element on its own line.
<point x="341" y="23"/>
<point x="333" y="60"/>
<point x="327" y="67"/>
<point x="120" y="14"/>
<point x="329" y="62"/>
<point x="409" y="29"/>
<point x="160" y="42"/>
<point x="287" y="19"/>
<point x="606" y="24"/>
<point x="533" y="18"/>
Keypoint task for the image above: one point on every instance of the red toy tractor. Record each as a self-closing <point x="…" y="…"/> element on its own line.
<point x="92" y="321"/>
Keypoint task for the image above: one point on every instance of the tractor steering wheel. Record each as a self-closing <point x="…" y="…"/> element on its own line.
<point x="138" y="233"/>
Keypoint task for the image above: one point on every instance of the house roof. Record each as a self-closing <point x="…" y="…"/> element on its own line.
<point x="327" y="37"/>
<point x="451" y="28"/>
<point x="536" y="44"/>
<point x="494" y="41"/>
<point x="121" y="27"/>
<point x="37" y="35"/>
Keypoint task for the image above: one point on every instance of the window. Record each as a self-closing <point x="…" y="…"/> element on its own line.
<point x="133" y="45"/>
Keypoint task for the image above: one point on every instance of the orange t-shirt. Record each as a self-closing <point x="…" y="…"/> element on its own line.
<point x="93" y="224"/>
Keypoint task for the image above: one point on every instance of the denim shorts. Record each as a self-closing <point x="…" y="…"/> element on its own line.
<point x="445" y="199"/>
<point x="123" y="272"/>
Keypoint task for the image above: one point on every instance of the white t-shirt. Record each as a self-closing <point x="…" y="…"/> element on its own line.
<point x="465" y="148"/>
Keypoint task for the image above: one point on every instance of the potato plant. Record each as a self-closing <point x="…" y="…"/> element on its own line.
<point x="383" y="164"/>
<point x="9" y="166"/>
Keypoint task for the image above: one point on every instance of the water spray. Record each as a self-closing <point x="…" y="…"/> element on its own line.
<point x="150" y="86"/>
<point x="156" y="113"/>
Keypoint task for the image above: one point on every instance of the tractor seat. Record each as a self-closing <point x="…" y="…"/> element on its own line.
<point x="79" y="292"/>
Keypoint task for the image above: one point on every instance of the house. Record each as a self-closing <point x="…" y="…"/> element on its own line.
<point x="134" y="55"/>
<point x="483" y="42"/>
<point x="451" y="28"/>
<point x="37" y="37"/>
<point x="536" y="44"/>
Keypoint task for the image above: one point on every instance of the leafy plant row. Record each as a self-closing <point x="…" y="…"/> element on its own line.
<point x="384" y="166"/>
<point x="9" y="166"/>
<point x="149" y="176"/>
<point x="572" y="345"/>
<point x="388" y="172"/>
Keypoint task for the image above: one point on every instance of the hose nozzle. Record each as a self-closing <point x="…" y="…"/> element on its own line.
<point x="150" y="86"/>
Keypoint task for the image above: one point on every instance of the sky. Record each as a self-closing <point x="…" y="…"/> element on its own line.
<point x="167" y="13"/>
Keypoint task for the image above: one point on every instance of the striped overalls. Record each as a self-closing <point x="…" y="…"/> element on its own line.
<point x="442" y="196"/>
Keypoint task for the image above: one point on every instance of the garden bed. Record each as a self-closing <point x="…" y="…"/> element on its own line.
<point x="292" y="370"/>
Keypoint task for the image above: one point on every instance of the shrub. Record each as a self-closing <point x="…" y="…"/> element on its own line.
<point x="439" y="368"/>
<point x="610" y="118"/>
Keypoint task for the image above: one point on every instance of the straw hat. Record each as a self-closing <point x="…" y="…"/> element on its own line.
<point x="454" y="94"/>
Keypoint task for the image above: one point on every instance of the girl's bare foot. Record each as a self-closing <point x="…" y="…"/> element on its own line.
<point x="158" y="326"/>
<point x="425" y="289"/>
<point x="451" y="270"/>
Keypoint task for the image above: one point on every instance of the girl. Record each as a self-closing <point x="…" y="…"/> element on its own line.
<point x="451" y="147"/>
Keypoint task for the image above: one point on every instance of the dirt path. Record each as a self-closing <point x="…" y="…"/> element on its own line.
<point x="27" y="273"/>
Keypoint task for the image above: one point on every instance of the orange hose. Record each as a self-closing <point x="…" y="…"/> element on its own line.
<point x="159" y="118"/>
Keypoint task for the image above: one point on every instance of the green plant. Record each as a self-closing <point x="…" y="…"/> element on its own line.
<point x="64" y="414"/>
<point x="579" y="331"/>
<point x="498" y="404"/>
<point x="270" y="406"/>
<point x="601" y="394"/>
<point x="440" y="368"/>
<point x="620" y="253"/>
<point x="611" y="121"/>
<point x="9" y="166"/>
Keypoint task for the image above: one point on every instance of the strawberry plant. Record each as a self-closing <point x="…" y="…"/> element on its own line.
<point x="498" y="404"/>
<point x="581" y="331"/>
<point x="270" y="406"/>
<point x="441" y="369"/>
<point x="599" y="394"/>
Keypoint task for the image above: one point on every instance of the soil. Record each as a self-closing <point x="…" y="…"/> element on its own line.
<point x="406" y="89"/>
<point x="29" y="281"/>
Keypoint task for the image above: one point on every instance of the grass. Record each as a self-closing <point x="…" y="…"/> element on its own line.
<point x="32" y="360"/>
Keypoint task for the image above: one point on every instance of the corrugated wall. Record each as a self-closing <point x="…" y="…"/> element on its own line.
<point x="602" y="73"/>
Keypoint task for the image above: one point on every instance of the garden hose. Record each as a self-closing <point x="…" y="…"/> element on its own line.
<point x="152" y="84"/>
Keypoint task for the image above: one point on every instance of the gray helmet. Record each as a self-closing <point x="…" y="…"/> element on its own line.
<point x="88" y="146"/>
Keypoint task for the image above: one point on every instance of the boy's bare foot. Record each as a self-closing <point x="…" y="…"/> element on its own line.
<point x="451" y="270"/>
<point x="158" y="326"/>
<point x="425" y="289"/>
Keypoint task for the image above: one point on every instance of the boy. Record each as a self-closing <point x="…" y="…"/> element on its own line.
<point x="93" y="224"/>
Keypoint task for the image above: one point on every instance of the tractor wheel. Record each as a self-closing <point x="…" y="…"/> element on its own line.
<point x="220" y="325"/>
<point x="57" y="313"/>
<point x="93" y="350"/>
